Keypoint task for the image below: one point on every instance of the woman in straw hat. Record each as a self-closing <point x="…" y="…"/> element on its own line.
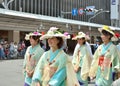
<point x="106" y="59"/>
<point x="32" y="55"/>
<point x="82" y="59"/>
<point x="54" y="67"/>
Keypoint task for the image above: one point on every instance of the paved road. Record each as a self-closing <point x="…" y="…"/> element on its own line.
<point x="11" y="73"/>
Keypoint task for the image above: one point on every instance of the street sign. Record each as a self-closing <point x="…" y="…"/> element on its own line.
<point x="90" y="10"/>
<point x="80" y="11"/>
<point x="74" y="11"/>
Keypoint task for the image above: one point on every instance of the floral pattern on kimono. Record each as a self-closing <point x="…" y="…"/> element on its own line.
<point x="106" y="61"/>
<point x="52" y="72"/>
<point x="82" y="60"/>
<point x="32" y="56"/>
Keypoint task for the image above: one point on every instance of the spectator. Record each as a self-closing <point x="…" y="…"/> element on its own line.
<point x="2" y="54"/>
<point x="96" y="44"/>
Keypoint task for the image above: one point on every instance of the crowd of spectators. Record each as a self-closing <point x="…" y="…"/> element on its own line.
<point x="12" y="50"/>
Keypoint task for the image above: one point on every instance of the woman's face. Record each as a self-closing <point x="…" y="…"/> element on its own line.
<point x="81" y="41"/>
<point x="33" y="42"/>
<point x="53" y="42"/>
<point x="105" y="38"/>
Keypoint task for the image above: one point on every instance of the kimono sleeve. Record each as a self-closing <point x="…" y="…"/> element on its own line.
<point x="38" y="70"/>
<point x="25" y="61"/>
<point x="94" y="64"/>
<point x="37" y="55"/>
<point x="116" y="60"/>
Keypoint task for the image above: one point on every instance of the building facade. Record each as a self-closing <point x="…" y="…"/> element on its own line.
<point x="62" y="8"/>
<point x="18" y="25"/>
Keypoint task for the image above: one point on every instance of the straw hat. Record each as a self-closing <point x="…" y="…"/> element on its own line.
<point x="80" y="35"/>
<point x="27" y="36"/>
<point x="108" y="29"/>
<point x="53" y="32"/>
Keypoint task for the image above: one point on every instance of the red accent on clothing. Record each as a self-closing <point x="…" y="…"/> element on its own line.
<point x="101" y="59"/>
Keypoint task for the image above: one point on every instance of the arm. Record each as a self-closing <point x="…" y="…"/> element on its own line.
<point x="25" y="61"/>
<point x="38" y="70"/>
<point x="116" y="60"/>
<point x="94" y="64"/>
<point x="75" y="54"/>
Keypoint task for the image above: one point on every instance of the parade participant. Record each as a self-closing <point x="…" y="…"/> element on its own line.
<point x="32" y="55"/>
<point x="105" y="60"/>
<point x="55" y="67"/>
<point x="82" y="59"/>
<point x="88" y="47"/>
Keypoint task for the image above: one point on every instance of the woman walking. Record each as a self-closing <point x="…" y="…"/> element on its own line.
<point x="106" y="60"/>
<point x="32" y="55"/>
<point x="82" y="59"/>
<point x="54" y="67"/>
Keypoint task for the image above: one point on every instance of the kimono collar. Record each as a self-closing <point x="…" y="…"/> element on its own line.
<point x="32" y="49"/>
<point x="53" y="54"/>
<point x="105" y="48"/>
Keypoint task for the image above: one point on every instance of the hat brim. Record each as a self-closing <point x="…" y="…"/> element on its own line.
<point x="35" y="35"/>
<point x="114" y="38"/>
<point x="101" y="29"/>
<point x="27" y="37"/>
<point x="79" y="37"/>
<point x="50" y="36"/>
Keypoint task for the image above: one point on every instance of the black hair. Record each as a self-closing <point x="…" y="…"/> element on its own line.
<point x="106" y="33"/>
<point x="84" y="40"/>
<point x="60" y="44"/>
<point x="35" y="38"/>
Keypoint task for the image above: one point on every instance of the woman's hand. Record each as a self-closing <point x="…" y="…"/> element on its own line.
<point x="37" y="84"/>
<point x="92" y="78"/>
<point x="30" y="73"/>
<point x="76" y="69"/>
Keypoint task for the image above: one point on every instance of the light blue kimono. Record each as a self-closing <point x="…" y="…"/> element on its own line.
<point x="58" y="61"/>
<point x="82" y="60"/>
<point x="103" y="68"/>
<point x="35" y="52"/>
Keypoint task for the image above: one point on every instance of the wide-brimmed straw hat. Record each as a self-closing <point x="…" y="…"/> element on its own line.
<point x="27" y="36"/>
<point x="106" y="28"/>
<point x="80" y="35"/>
<point x="53" y="32"/>
<point x="109" y="30"/>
